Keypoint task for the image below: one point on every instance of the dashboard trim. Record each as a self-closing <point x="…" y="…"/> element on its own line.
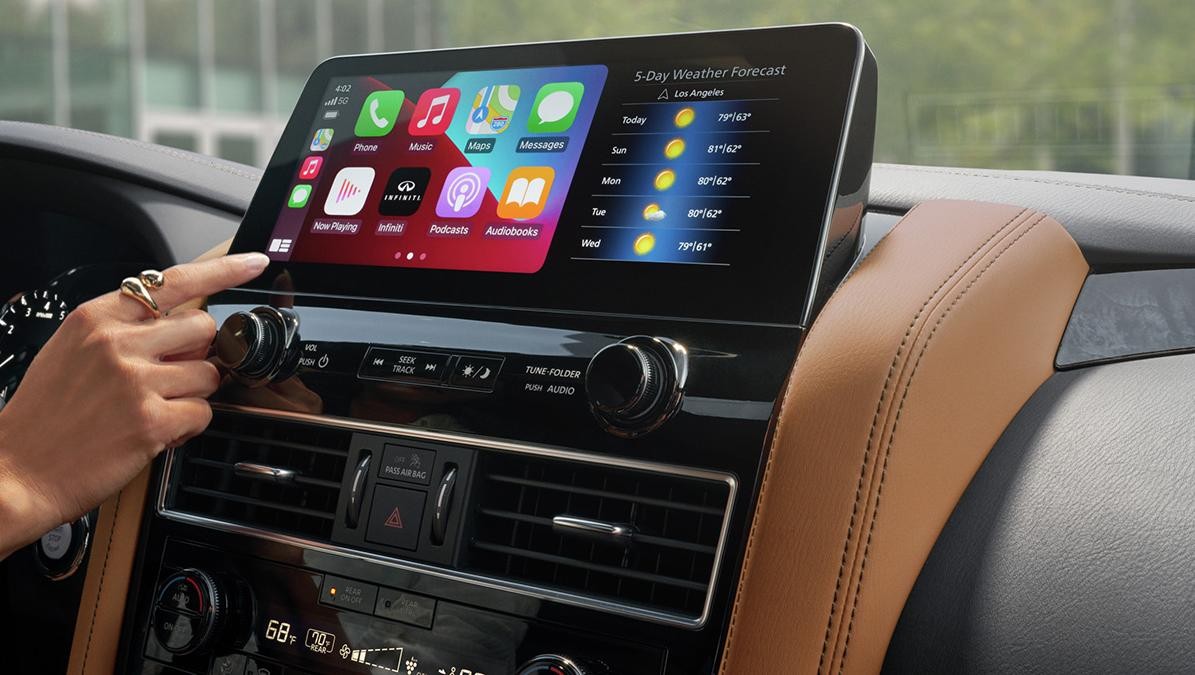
<point x="835" y="181"/>
<point x="485" y="581"/>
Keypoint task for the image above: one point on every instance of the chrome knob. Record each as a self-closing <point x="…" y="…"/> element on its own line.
<point x="636" y="384"/>
<point x="259" y="346"/>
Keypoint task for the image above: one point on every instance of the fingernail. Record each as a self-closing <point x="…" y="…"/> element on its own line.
<point x="254" y="262"/>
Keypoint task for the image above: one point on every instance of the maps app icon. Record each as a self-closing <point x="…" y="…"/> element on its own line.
<point x="492" y="109"/>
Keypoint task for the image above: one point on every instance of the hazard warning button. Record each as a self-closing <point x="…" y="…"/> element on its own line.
<point x="395" y="517"/>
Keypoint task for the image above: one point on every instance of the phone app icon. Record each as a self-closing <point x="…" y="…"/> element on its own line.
<point x="493" y="108"/>
<point x="404" y="191"/>
<point x="433" y="112"/>
<point x="321" y="140"/>
<point x="555" y="107"/>
<point x="464" y="190"/>
<point x="349" y="190"/>
<point x="310" y="168"/>
<point x="299" y="195"/>
<point x="379" y="113"/>
<point x="526" y="192"/>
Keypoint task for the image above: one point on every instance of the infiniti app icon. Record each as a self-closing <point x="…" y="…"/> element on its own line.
<point x="404" y="191"/>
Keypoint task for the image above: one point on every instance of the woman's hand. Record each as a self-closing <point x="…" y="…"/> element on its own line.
<point x="110" y="390"/>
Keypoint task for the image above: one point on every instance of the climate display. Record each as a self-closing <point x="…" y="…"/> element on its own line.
<point x="471" y="174"/>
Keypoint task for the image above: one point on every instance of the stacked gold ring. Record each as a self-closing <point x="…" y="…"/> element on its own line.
<point x="138" y="288"/>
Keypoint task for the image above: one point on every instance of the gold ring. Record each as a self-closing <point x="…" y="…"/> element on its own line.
<point x="135" y="289"/>
<point x="153" y="279"/>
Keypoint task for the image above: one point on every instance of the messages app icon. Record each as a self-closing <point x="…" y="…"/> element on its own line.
<point x="555" y="107"/>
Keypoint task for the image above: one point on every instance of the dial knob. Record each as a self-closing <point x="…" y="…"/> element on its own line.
<point x="190" y="613"/>
<point x="634" y="385"/>
<point x="552" y="664"/>
<point x="259" y="346"/>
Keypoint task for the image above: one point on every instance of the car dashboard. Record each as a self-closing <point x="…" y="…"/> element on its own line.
<point x="416" y="483"/>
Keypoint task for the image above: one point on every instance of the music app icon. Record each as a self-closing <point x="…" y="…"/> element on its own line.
<point x="434" y="112"/>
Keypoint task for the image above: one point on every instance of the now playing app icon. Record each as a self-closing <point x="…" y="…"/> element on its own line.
<point x="349" y="190"/>
<point x="404" y="191"/>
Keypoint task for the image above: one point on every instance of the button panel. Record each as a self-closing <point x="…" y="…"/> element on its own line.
<point x="478" y="372"/>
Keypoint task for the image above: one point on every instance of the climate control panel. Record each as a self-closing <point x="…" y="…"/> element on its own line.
<point x="299" y="620"/>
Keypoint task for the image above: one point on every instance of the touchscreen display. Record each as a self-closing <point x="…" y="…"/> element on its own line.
<point x="683" y="175"/>
<point x="461" y="171"/>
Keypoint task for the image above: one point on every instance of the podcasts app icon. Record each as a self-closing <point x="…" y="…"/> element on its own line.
<point x="464" y="190"/>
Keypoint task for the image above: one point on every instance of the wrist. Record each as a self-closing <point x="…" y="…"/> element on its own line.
<point x="21" y="507"/>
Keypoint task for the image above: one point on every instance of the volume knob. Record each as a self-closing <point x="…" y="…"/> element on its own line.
<point x="260" y="345"/>
<point x="634" y="385"/>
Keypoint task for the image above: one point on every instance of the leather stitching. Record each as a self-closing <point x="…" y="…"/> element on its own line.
<point x="1043" y="181"/>
<point x="871" y="434"/>
<point x="100" y="588"/>
<point x="767" y="473"/>
<point x="896" y="422"/>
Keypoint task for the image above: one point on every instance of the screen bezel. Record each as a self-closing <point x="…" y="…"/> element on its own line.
<point x="757" y="292"/>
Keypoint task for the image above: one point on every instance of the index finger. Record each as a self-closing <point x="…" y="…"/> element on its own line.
<point x="200" y="279"/>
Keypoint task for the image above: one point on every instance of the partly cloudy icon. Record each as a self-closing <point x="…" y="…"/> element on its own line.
<point x="653" y="213"/>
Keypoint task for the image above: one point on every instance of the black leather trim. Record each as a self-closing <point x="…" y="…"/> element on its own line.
<point x="206" y="180"/>
<point x="1071" y="550"/>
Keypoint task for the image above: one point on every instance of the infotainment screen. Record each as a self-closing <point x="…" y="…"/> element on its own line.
<point x="684" y="175"/>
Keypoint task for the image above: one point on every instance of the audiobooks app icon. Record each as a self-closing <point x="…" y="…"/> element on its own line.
<point x="526" y="192"/>
<point x="349" y="190"/>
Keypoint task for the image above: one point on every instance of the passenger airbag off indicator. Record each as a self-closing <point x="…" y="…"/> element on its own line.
<point x="408" y="465"/>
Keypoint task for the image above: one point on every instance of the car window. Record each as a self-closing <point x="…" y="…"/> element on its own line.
<point x="1104" y="86"/>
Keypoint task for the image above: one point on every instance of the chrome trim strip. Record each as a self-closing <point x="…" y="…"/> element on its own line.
<point x="263" y="471"/>
<point x="832" y="204"/>
<point x="616" y="532"/>
<point x="493" y="583"/>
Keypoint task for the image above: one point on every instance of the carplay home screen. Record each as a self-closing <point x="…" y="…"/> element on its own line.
<point x="459" y="171"/>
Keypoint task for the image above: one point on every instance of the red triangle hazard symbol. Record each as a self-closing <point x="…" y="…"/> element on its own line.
<point x="395" y="519"/>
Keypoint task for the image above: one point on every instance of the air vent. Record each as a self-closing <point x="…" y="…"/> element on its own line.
<point x="660" y="556"/>
<point x="208" y="483"/>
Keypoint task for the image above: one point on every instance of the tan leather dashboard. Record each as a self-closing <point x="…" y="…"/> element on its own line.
<point x="909" y="375"/>
<point x="110" y="567"/>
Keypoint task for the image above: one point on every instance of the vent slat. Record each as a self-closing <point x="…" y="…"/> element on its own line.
<point x="606" y="494"/>
<point x="260" y="503"/>
<point x="292" y="445"/>
<point x="206" y="483"/>
<point x="668" y="564"/>
<point x="638" y="538"/>
<point x="606" y="569"/>
<point x="299" y="479"/>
